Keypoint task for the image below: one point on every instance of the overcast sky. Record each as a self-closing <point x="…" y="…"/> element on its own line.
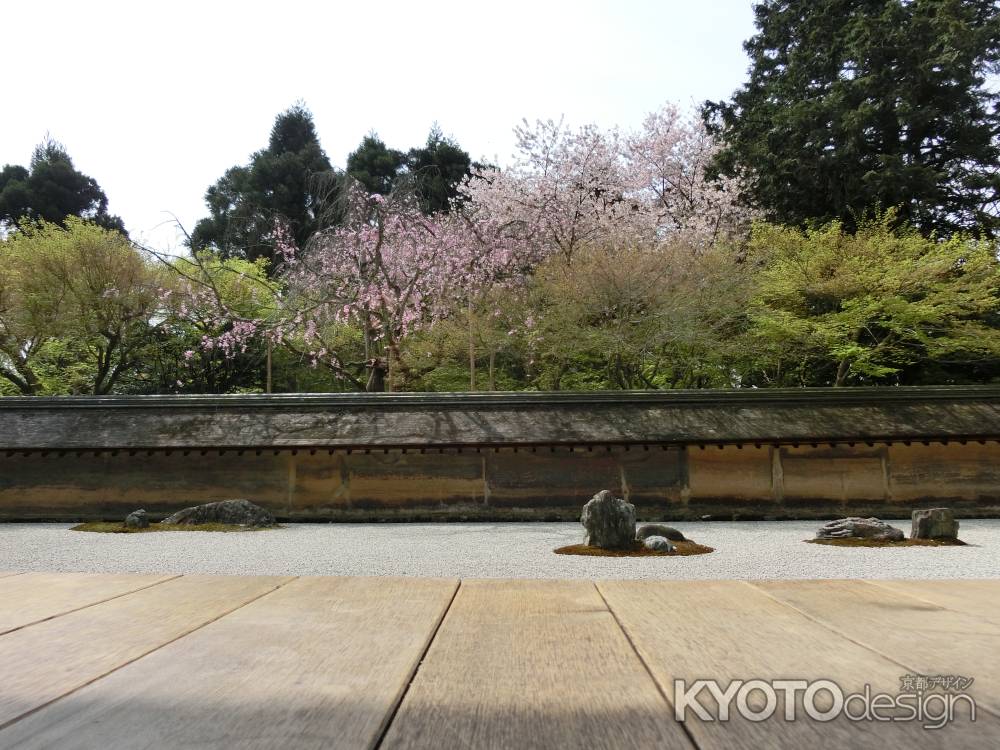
<point x="157" y="100"/>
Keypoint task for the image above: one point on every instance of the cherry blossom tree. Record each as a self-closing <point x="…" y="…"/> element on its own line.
<point x="384" y="273"/>
<point x="357" y="290"/>
<point x="592" y="187"/>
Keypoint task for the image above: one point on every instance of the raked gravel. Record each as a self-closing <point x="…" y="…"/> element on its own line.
<point x="744" y="549"/>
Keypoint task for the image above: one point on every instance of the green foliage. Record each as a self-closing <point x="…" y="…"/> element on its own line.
<point x="76" y="308"/>
<point x="290" y="181"/>
<point x="437" y="169"/>
<point x="852" y="106"/>
<point x="375" y="165"/>
<point x="51" y="190"/>
<point x="835" y="308"/>
<point x="433" y="171"/>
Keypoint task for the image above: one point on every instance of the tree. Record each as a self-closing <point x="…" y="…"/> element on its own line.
<point x="375" y="165"/>
<point x="433" y="171"/>
<point x="51" y="190"/>
<point x="358" y="289"/>
<point x="589" y="187"/>
<point x="290" y="181"/>
<point x="876" y="306"/>
<point x="76" y="307"/>
<point x="854" y="106"/>
<point x="438" y="168"/>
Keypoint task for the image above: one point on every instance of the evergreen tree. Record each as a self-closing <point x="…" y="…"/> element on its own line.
<point x="291" y="181"/>
<point x="438" y="168"/>
<point x="854" y="105"/>
<point x="51" y="190"/>
<point x="434" y="170"/>
<point x="375" y="165"/>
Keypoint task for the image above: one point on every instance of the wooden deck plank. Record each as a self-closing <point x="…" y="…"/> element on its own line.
<point x="532" y="664"/>
<point x="979" y="598"/>
<point x="928" y="639"/>
<point x="320" y="663"/>
<point x="34" y="597"/>
<point x="46" y="661"/>
<point x="726" y="630"/>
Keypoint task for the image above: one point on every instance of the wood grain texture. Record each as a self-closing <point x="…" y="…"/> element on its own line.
<point x="532" y="664"/>
<point x="925" y="638"/>
<point x="320" y="663"/>
<point x="34" y="597"/>
<point x="43" y="662"/>
<point x="978" y="598"/>
<point x="726" y="630"/>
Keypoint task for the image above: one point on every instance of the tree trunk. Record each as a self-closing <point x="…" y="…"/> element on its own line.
<point x="267" y="387"/>
<point x="472" y="351"/>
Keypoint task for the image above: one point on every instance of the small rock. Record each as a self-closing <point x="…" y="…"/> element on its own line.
<point x="609" y="521"/>
<point x="137" y="519"/>
<point x="658" y="529"/>
<point x="934" y="523"/>
<point x="860" y="528"/>
<point x="234" y="512"/>
<point x="658" y="543"/>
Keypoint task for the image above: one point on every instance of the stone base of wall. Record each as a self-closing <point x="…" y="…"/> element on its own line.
<point x="748" y="482"/>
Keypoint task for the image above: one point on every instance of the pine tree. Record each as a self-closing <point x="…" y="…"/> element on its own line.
<point x="52" y="190"/>
<point x="861" y="105"/>
<point x="290" y="181"/>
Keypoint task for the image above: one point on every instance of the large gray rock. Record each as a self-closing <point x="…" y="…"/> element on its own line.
<point x="235" y="512"/>
<point x="137" y="519"/>
<point x="934" y="523"/>
<point x="658" y="543"/>
<point x="609" y="521"/>
<point x="860" y="528"/>
<point x="658" y="529"/>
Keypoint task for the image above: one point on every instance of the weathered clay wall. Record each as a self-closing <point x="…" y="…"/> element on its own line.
<point x="664" y="481"/>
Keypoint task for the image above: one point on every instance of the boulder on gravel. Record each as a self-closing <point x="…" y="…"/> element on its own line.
<point x="609" y="521"/>
<point x="137" y="519"/>
<point x="658" y="543"/>
<point x="860" y="528"/>
<point x="658" y="529"/>
<point x="934" y="523"/>
<point x="233" y="512"/>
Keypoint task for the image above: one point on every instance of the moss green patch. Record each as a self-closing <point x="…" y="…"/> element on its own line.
<point x="682" y="549"/>
<point x="883" y="543"/>
<point x="112" y="527"/>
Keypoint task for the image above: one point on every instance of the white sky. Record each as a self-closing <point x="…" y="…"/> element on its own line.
<point x="156" y="101"/>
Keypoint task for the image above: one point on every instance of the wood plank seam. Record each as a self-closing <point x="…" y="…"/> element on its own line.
<point x="926" y="601"/>
<point x="85" y="606"/>
<point x="13" y="721"/>
<point x="391" y="716"/>
<point x="988" y="709"/>
<point x="659" y="688"/>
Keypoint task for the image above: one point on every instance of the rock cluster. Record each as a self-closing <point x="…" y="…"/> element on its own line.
<point x="934" y="523"/>
<point x="658" y="543"/>
<point x="860" y="528"/>
<point x="233" y="512"/>
<point x="137" y="519"/>
<point x="658" y="529"/>
<point x="609" y="521"/>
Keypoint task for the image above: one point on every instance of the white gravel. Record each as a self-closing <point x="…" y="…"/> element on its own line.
<point x="744" y="549"/>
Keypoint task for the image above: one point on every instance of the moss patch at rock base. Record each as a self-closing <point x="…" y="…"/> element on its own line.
<point x="681" y="549"/>
<point x="884" y="543"/>
<point x="112" y="527"/>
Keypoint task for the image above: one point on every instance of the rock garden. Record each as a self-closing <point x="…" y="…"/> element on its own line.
<point x="611" y="532"/>
<point x="224" y="515"/>
<point x="933" y="527"/>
